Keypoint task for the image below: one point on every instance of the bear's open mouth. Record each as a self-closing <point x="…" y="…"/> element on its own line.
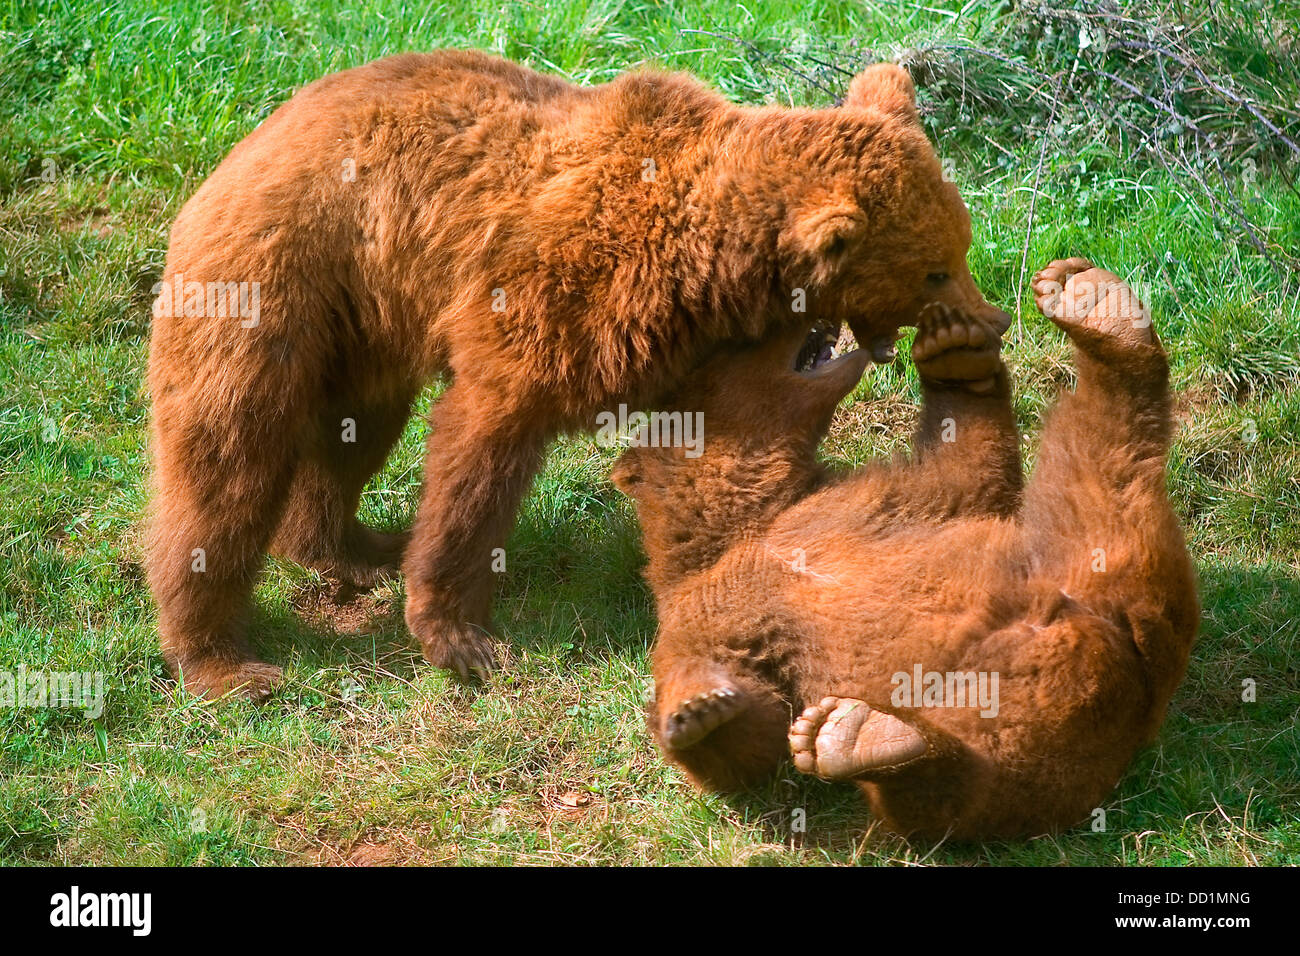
<point x="821" y="346"/>
<point x="826" y="343"/>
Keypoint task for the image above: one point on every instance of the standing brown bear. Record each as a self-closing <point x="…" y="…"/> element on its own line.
<point x="984" y="659"/>
<point x="556" y="249"/>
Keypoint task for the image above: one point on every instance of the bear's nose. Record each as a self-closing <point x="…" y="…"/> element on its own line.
<point x="1000" y="320"/>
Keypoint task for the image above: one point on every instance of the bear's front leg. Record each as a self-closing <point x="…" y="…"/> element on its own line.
<point x="483" y="452"/>
<point x="966" y="445"/>
<point x="712" y="716"/>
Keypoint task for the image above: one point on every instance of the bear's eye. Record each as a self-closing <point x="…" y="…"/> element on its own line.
<point x="937" y="278"/>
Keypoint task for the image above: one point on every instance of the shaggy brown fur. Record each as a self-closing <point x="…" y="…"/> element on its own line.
<point x="556" y="249"/>
<point x="780" y="588"/>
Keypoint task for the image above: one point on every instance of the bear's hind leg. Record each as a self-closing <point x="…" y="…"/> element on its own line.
<point x="220" y="490"/>
<point x="1099" y="483"/>
<point x="319" y="528"/>
<point x="841" y="738"/>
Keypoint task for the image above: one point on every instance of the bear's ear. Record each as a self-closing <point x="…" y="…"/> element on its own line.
<point x="888" y="88"/>
<point x="822" y="228"/>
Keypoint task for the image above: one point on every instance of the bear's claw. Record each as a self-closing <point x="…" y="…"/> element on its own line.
<point x="463" y="649"/>
<point x="255" y="680"/>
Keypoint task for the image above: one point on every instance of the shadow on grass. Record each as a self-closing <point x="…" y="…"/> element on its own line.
<point x="310" y="636"/>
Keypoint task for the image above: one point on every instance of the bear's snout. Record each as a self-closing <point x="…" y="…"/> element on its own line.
<point x="1001" y="321"/>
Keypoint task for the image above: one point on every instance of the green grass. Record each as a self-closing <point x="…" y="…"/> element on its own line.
<point x="370" y="756"/>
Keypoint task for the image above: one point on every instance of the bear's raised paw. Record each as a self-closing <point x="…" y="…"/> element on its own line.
<point x="955" y="348"/>
<point x="1075" y="294"/>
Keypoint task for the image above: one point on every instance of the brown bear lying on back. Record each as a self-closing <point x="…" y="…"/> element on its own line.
<point x="984" y="659"/>
<point x="556" y="249"/>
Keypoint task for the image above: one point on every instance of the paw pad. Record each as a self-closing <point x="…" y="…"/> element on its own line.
<point x="842" y="737"/>
<point x="1075" y="294"/>
<point x="954" y="346"/>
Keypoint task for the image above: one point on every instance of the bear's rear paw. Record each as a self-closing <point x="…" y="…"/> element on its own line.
<point x="1075" y="294"/>
<point x="955" y="348"/>
<point x="373" y="555"/>
<point x="701" y="715"/>
<point x="842" y="738"/>
<point x="362" y="558"/>
<point x="461" y="648"/>
<point x="255" y="680"/>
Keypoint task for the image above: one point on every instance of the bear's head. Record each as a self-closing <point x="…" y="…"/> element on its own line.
<point x="760" y="419"/>
<point x="877" y="231"/>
